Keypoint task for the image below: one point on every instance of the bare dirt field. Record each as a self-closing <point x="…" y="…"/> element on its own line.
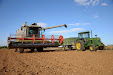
<point x="52" y="62"/>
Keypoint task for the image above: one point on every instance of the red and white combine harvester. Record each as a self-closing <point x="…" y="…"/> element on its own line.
<point x="31" y="37"/>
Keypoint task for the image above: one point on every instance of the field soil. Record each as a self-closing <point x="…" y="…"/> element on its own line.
<point x="56" y="62"/>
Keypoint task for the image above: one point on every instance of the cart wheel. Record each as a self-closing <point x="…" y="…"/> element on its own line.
<point x="70" y="48"/>
<point x="21" y="50"/>
<point x="40" y="49"/>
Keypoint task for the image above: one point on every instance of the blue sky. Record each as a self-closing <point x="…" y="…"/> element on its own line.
<point x="79" y="15"/>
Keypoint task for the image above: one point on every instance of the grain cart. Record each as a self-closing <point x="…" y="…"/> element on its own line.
<point x="83" y="42"/>
<point x="31" y="37"/>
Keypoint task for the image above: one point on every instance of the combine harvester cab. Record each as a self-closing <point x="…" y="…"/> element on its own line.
<point x="31" y="37"/>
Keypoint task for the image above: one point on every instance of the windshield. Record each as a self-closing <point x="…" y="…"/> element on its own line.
<point x="84" y="35"/>
<point x="35" y="31"/>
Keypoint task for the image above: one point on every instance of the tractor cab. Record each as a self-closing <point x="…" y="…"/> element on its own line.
<point x="85" y="34"/>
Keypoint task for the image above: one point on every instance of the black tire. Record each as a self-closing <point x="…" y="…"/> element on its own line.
<point x="15" y="49"/>
<point x="21" y="50"/>
<point x="32" y="49"/>
<point x="40" y="49"/>
<point x="92" y="48"/>
<point x="64" y="47"/>
<point x="70" y="48"/>
<point x="102" y="47"/>
<point x="80" y="46"/>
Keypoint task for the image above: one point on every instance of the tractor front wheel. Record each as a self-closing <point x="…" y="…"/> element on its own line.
<point x="92" y="48"/>
<point x="102" y="47"/>
<point x="79" y="45"/>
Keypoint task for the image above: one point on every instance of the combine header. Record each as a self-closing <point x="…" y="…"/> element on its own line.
<point x="31" y="37"/>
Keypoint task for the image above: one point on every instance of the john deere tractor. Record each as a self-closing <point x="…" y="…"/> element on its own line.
<point x="84" y="42"/>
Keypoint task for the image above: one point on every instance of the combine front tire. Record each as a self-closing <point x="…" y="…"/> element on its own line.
<point x="79" y="45"/>
<point x="15" y="49"/>
<point x="92" y="48"/>
<point x="21" y="50"/>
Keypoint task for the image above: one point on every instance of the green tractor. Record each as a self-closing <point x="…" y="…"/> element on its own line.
<point x="83" y="42"/>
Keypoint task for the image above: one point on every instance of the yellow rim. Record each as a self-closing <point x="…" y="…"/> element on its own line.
<point x="91" y="48"/>
<point x="100" y="47"/>
<point x="78" y="45"/>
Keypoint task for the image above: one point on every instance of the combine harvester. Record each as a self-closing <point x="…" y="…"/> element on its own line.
<point x="31" y="37"/>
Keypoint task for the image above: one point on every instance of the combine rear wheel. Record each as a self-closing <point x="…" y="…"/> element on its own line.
<point x="92" y="48"/>
<point x="21" y="50"/>
<point x="32" y="49"/>
<point x="79" y="45"/>
<point x="40" y="49"/>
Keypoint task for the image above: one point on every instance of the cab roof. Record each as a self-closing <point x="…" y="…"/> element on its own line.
<point x="33" y="26"/>
<point x="84" y="32"/>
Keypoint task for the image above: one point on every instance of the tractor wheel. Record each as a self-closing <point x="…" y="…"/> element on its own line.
<point x="15" y="49"/>
<point x="70" y="48"/>
<point x="92" y="48"/>
<point x="21" y="50"/>
<point x="102" y="47"/>
<point x="79" y="45"/>
<point x="32" y="49"/>
<point x="40" y="49"/>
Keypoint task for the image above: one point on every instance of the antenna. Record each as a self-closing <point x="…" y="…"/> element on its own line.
<point x="91" y="34"/>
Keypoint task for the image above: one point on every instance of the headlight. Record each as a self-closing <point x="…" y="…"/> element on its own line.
<point x="98" y="38"/>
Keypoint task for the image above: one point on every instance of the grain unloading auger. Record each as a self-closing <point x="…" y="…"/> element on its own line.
<point x="31" y="37"/>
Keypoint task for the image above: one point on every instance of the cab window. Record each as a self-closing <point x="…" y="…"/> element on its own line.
<point x="83" y="35"/>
